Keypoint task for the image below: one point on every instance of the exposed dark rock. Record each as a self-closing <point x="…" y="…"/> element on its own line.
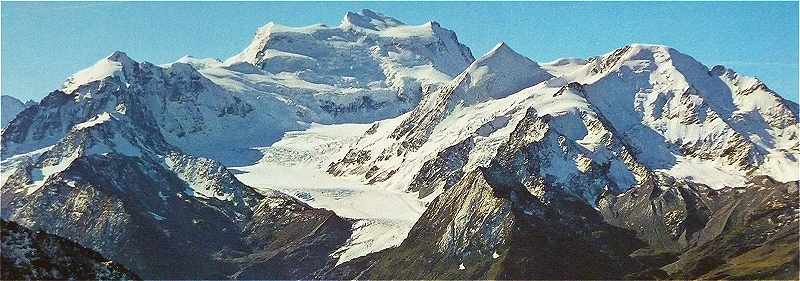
<point x="36" y="255"/>
<point x="444" y="170"/>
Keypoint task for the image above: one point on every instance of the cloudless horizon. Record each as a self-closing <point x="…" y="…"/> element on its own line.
<point x="44" y="43"/>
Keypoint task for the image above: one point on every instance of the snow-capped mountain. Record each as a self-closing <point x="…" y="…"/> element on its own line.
<point x="369" y="59"/>
<point x="114" y="184"/>
<point x="367" y="68"/>
<point x="111" y="152"/>
<point x="11" y="106"/>
<point x="640" y="108"/>
<point x="643" y="130"/>
<point x="376" y="149"/>
<point x="348" y="73"/>
<point x="180" y="100"/>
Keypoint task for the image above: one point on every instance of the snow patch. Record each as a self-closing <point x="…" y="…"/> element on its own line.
<point x="710" y="173"/>
<point x="156" y="216"/>
<point x="98" y="119"/>
<point x="41" y="175"/>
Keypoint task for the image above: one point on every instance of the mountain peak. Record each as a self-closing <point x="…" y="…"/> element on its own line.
<point x="369" y="19"/>
<point x="650" y="47"/>
<point x="501" y="45"/>
<point x="11" y="106"/>
<point x="640" y="50"/>
<point x="119" y="56"/>
<point x="645" y="54"/>
<point x="502" y="49"/>
<point x="499" y="73"/>
<point x="117" y="64"/>
<point x="7" y="98"/>
<point x="502" y="54"/>
<point x="197" y="63"/>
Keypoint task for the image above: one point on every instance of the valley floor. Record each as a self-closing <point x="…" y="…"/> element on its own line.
<point x="296" y="165"/>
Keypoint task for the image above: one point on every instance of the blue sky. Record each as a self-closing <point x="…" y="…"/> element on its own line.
<point x="43" y="43"/>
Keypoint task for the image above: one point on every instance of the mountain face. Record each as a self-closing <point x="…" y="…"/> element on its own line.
<point x="179" y="101"/>
<point x="367" y="68"/>
<point x="115" y="185"/>
<point x="641" y="163"/>
<point x="369" y="62"/>
<point x="713" y="234"/>
<point x="11" y="106"/>
<point x="481" y="229"/>
<point x="31" y="255"/>
<point x="642" y="160"/>
<point x="639" y="109"/>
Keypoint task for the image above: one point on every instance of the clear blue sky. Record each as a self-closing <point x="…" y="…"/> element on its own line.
<point x="43" y="43"/>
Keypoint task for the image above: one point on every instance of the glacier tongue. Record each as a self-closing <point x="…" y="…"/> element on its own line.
<point x="296" y="165"/>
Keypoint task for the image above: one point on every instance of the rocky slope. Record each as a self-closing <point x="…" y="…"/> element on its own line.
<point x="35" y="255"/>
<point x="482" y="228"/>
<point x="747" y="232"/>
<point x="478" y="229"/>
